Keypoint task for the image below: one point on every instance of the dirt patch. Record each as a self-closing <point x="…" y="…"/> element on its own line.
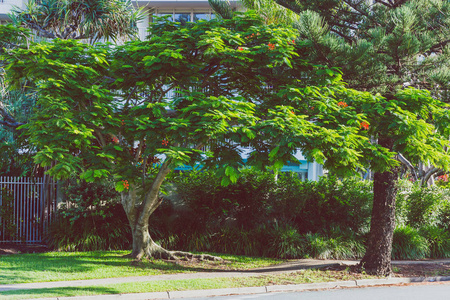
<point x="13" y="248"/>
<point x="422" y="270"/>
<point x="405" y="270"/>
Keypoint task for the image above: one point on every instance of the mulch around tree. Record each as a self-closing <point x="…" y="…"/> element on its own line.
<point x="406" y="270"/>
<point x="15" y="248"/>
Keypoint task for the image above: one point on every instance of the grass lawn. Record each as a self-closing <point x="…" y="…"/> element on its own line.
<point x="305" y="276"/>
<point x="61" y="266"/>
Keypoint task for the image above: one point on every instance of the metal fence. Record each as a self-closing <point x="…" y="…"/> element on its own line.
<point x="27" y="206"/>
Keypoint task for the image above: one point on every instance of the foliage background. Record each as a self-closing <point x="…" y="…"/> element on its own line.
<point x="260" y="216"/>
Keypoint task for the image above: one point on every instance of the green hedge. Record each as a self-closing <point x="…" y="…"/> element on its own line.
<point x="259" y="216"/>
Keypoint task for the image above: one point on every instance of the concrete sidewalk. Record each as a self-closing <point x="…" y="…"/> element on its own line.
<point x="287" y="267"/>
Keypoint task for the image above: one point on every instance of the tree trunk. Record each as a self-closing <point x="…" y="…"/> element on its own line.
<point x="143" y="244"/>
<point x="138" y="212"/>
<point x="377" y="259"/>
<point x="145" y="247"/>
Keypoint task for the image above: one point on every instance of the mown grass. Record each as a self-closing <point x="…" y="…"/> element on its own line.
<point x="61" y="266"/>
<point x="305" y="276"/>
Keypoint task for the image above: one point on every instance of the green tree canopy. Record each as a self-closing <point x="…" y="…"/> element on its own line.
<point x="191" y="94"/>
<point x="88" y="21"/>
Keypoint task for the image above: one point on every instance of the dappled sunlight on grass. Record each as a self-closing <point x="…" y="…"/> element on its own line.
<point x="60" y="266"/>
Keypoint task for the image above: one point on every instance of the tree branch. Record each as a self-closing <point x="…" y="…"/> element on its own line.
<point x="12" y="125"/>
<point x="408" y="164"/>
<point x="436" y="47"/>
<point x="151" y="200"/>
<point x="8" y="120"/>
<point x="384" y="3"/>
<point x="42" y="32"/>
<point x="428" y="175"/>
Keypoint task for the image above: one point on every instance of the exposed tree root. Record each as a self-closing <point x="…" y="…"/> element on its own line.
<point x="177" y="255"/>
<point x="153" y="250"/>
<point x="181" y="255"/>
<point x="374" y="269"/>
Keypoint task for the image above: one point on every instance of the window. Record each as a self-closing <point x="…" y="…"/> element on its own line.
<point x="185" y="15"/>
<point x="182" y="17"/>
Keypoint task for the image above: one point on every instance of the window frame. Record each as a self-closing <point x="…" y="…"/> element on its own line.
<point x="180" y="10"/>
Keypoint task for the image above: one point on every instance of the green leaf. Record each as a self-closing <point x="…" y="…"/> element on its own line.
<point x="287" y="61"/>
<point x="119" y="186"/>
<point x="225" y="181"/>
<point x="278" y="165"/>
<point x="98" y="173"/>
<point x="274" y="151"/>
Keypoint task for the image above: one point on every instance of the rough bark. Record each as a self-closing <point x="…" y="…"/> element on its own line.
<point x="377" y="259"/>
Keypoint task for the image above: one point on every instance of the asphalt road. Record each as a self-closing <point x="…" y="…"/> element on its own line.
<point x="438" y="291"/>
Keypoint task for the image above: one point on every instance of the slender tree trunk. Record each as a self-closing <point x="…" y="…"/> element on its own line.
<point x="377" y="259"/>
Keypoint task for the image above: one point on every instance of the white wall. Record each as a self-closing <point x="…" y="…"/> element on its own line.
<point x="6" y="5"/>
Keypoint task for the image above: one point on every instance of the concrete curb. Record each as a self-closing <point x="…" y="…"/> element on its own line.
<point x="259" y="290"/>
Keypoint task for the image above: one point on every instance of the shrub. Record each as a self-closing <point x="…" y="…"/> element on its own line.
<point x="424" y="206"/>
<point x="260" y="216"/>
<point x="257" y="199"/>
<point x="401" y="207"/>
<point x="409" y="244"/>
<point x="329" y="203"/>
<point x="444" y="215"/>
<point x="438" y="241"/>
<point x="7" y="216"/>
<point x="90" y="233"/>
<point x="285" y="242"/>
<point x="210" y="204"/>
<point x="324" y="247"/>
<point x="91" y="219"/>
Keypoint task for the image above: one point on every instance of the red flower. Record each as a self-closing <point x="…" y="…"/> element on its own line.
<point x="444" y="178"/>
<point x="271" y="46"/>
<point x="115" y="140"/>
<point x="240" y="49"/>
<point x="125" y="184"/>
<point x="342" y="104"/>
<point x="123" y="123"/>
<point x="364" y="125"/>
<point x="165" y="142"/>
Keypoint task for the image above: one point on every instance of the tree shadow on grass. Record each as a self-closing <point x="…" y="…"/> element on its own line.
<point x="23" y="268"/>
<point x="58" y="292"/>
